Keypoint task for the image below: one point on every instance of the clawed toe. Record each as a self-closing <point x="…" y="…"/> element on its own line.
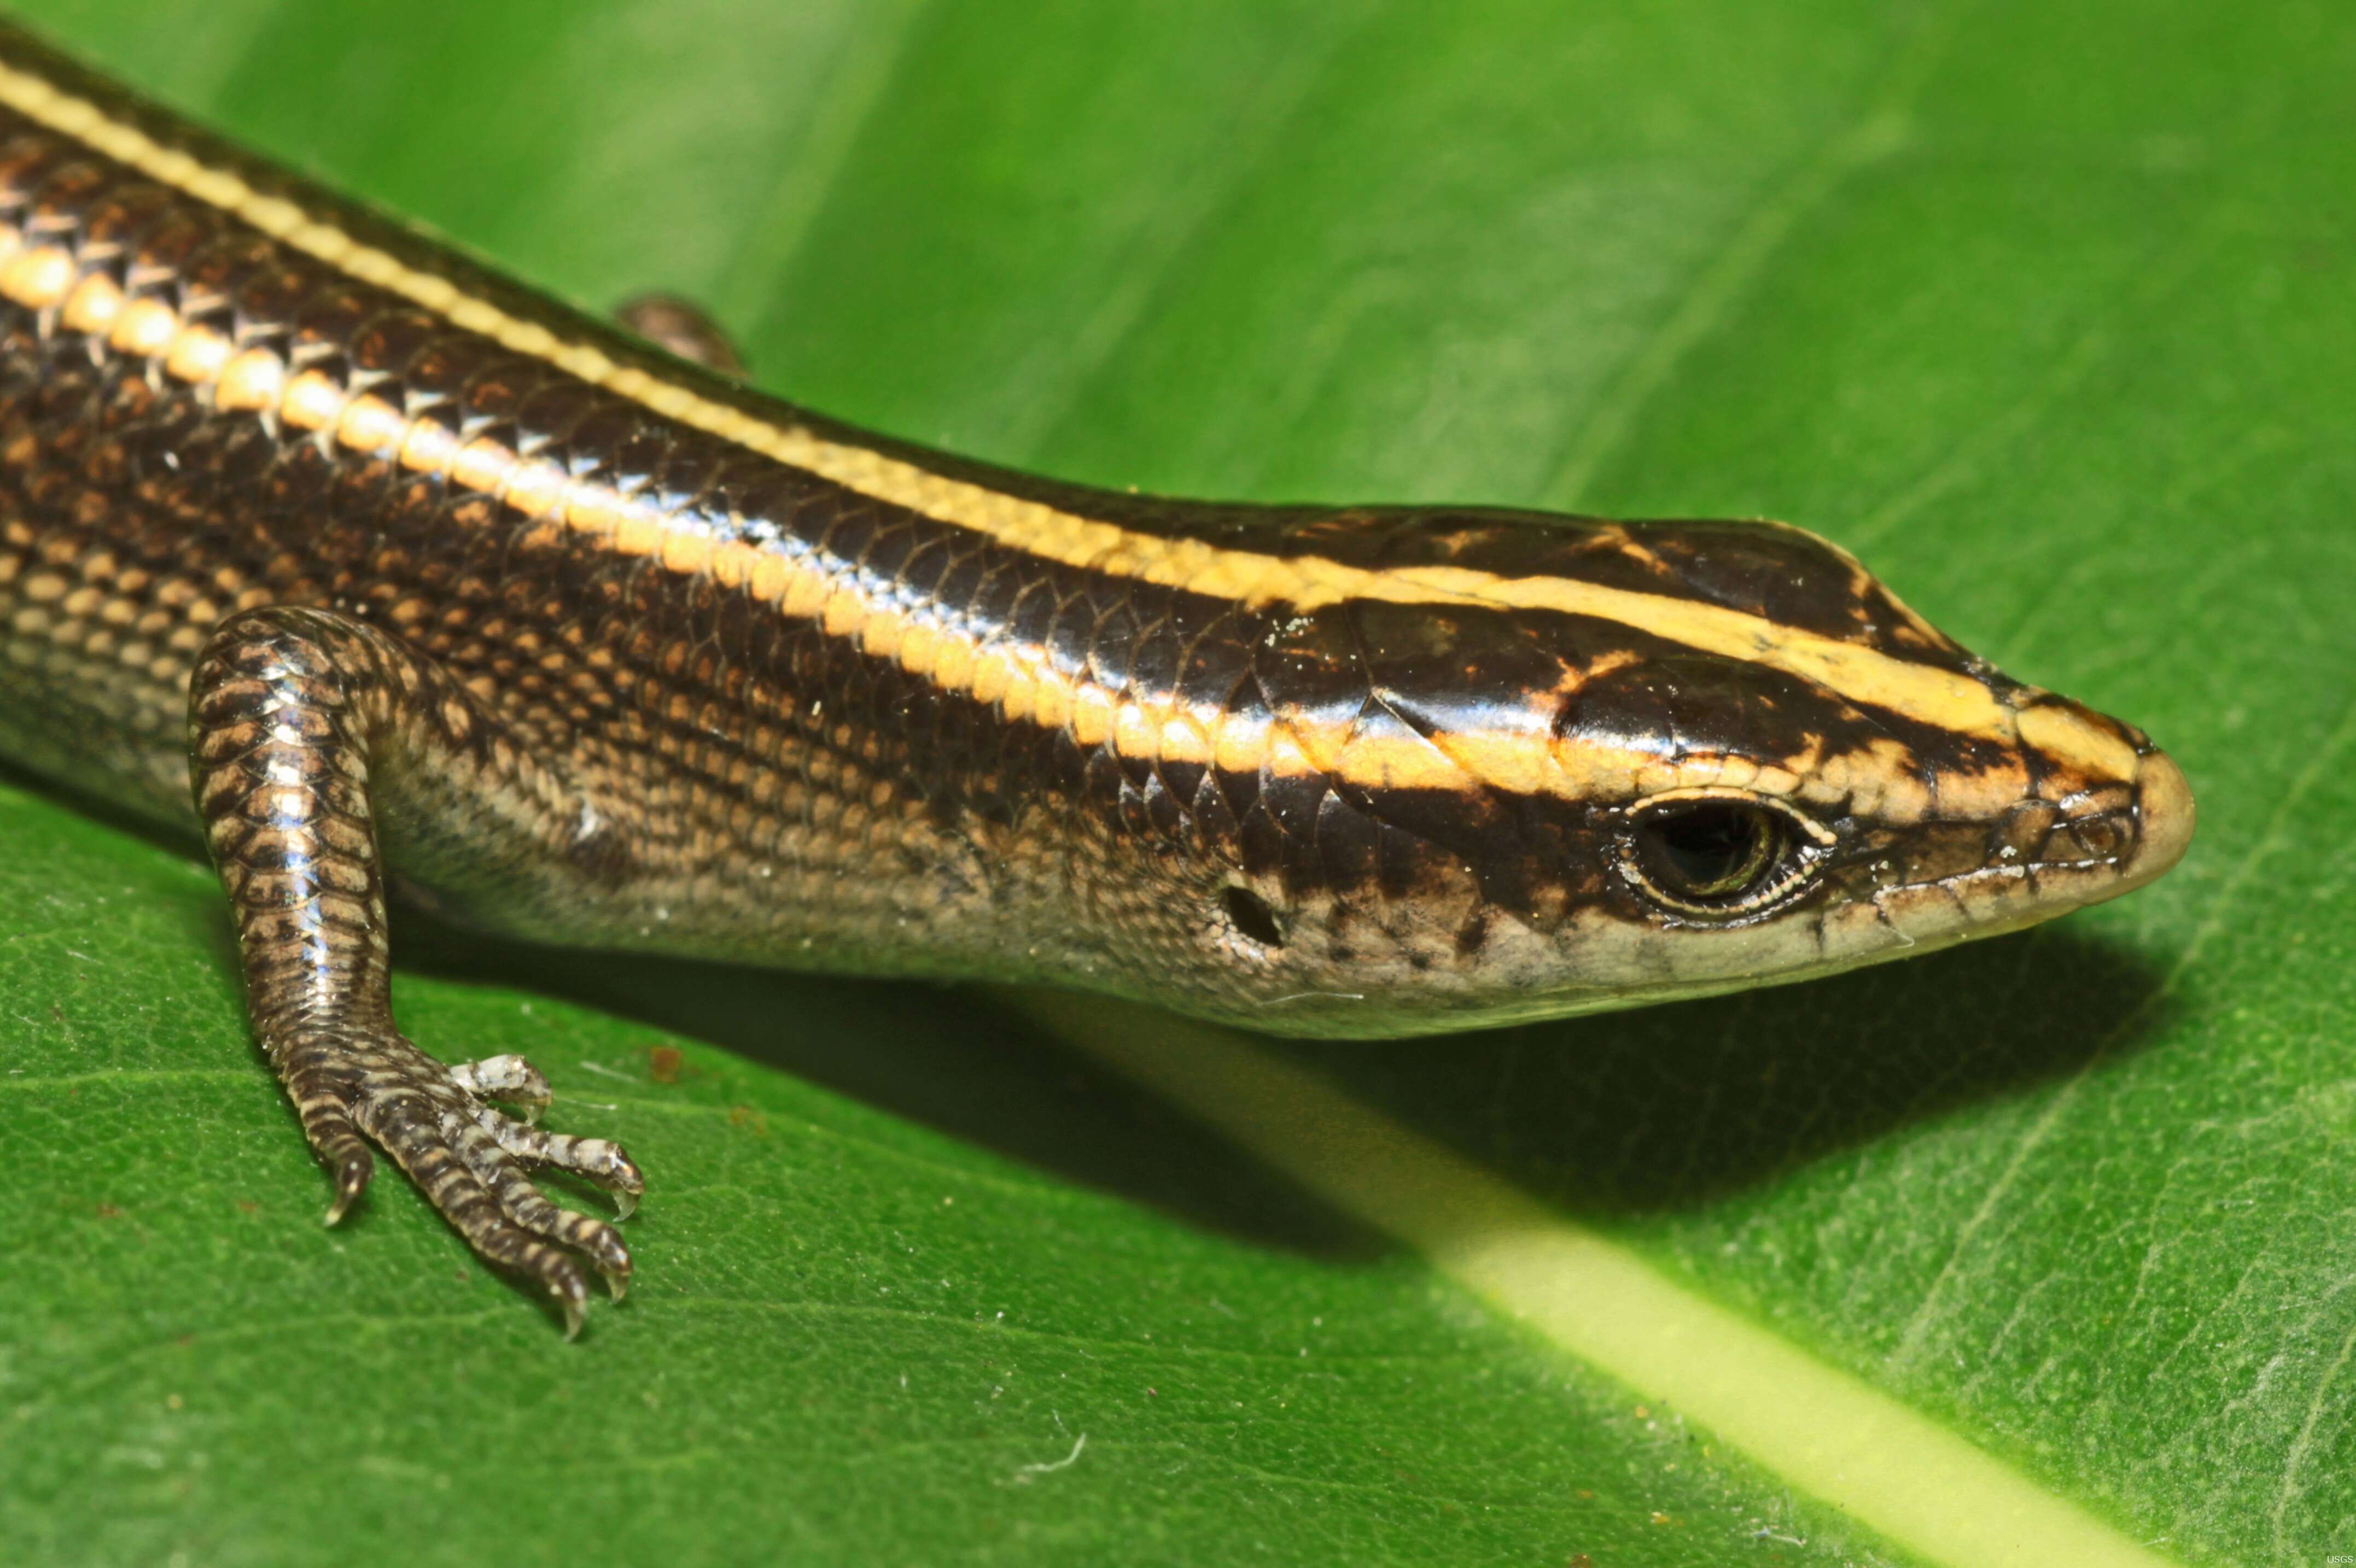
<point x="593" y="1159"/>
<point x="475" y="1164"/>
<point x="519" y="1222"/>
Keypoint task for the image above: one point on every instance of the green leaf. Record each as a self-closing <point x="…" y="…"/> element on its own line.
<point x="2049" y="312"/>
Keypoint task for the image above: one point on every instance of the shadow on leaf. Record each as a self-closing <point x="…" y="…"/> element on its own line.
<point x="1623" y="1113"/>
<point x="1615" y="1115"/>
<point x="950" y="1058"/>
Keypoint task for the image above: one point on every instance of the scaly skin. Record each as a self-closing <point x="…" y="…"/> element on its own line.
<point x="312" y="736"/>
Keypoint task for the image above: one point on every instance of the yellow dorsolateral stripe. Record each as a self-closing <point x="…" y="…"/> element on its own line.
<point x="1516" y="750"/>
<point x="1821" y="1430"/>
<point x="1923" y="692"/>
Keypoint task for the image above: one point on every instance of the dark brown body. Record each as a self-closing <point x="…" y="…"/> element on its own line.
<point x="740" y="767"/>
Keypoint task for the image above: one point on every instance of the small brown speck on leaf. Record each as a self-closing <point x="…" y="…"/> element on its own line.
<point x="108" y="1211"/>
<point x="1580" y="1560"/>
<point x="248" y="1206"/>
<point x="664" y="1063"/>
<point x="1660" y="1517"/>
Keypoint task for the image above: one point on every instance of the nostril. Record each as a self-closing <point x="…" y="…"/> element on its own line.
<point x="1249" y="914"/>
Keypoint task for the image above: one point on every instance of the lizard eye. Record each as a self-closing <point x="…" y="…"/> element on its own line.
<point x="1719" y="855"/>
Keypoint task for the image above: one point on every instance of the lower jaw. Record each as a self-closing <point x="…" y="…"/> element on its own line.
<point x="1630" y="967"/>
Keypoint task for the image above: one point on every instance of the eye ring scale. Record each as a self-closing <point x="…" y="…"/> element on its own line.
<point x="1720" y="855"/>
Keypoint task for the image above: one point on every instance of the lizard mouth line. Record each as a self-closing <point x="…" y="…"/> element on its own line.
<point x="2164" y="817"/>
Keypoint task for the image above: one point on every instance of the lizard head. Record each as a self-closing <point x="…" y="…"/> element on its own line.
<point x="1491" y="768"/>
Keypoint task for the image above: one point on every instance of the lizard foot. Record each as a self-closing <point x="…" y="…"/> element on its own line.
<point x="472" y="1161"/>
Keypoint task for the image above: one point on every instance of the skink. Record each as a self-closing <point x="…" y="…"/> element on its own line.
<point x="377" y="572"/>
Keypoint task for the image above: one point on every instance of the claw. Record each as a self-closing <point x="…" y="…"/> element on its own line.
<point x="623" y="1178"/>
<point x="572" y="1298"/>
<point x="617" y="1283"/>
<point x="351" y="1180"/>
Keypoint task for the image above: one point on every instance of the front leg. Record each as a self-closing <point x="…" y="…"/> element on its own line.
<point x="310" y="733"/>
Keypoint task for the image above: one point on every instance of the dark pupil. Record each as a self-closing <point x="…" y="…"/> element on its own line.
<point x="1710" y="850"/>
